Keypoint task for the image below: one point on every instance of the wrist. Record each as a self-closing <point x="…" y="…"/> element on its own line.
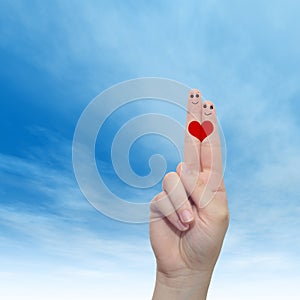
<point x="184" y="285"/>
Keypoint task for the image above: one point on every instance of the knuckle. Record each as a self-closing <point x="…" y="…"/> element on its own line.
<point x="179" y="168"/>
<point x="156" y="198"/>
<point x="168" y="178"/>
<point x="223" y="216"/>
<point x="153" y="205"/>
<point x="154" y="201"/>
<point x="182" y="205"/>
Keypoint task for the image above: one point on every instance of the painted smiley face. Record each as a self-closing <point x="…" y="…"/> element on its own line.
<point x="195" y="96"/>
<point x="208" y="108"/>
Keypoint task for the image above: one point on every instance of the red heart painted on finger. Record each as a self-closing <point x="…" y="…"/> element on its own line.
<point x="199" y="131"/>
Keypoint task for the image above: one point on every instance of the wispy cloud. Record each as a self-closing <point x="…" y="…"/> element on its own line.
<point x="66" y="243"/>
<point x="244" y="57"/>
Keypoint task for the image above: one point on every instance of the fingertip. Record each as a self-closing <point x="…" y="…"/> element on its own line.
<point x="160" y="206"/>
<point x="193" y="92"/>
<point x="209" y="111"/>
<point x="186" y="216"/>
<point x="194" y="105"/>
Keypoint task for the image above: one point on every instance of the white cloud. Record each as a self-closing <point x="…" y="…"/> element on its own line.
<point x="122" y="283"/>
<point x="255" y="288"/>
<point x="58" y="255"/>
<point x="249" y="80"/>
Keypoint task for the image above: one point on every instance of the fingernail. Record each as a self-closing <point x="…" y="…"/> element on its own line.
<point x="182" y="227"/>
<point x="186" y="216"/>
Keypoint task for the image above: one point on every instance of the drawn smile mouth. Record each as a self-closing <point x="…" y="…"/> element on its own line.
<point x="195" y="102"/>
<point x="208" y="114"/>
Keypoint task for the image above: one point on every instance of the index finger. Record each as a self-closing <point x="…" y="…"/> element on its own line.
<point x="191" y="142"/>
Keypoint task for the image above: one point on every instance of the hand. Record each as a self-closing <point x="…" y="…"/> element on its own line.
<point x="189" y="218"/>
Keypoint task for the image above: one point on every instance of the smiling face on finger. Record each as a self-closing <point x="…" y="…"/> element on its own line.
<point x="208" y="109"/>
<point x="195" y="96"/>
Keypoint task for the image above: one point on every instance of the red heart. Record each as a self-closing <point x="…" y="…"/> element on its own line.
<point x="201" y="131"/>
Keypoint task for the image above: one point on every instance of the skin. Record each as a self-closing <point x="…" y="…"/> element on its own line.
<point x="189" y="218"/>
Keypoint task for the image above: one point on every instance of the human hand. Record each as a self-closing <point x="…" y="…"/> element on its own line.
<point x="189" y="218"/>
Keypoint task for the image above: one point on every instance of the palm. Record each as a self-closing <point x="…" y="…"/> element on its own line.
<point x="176" y="250"/>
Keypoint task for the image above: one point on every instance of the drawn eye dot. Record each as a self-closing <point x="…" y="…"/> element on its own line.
<point x="211" y="107"/>
<point x="192" y="96"/>
<point x="204" y="106"/>
<point x="197" y="95"/>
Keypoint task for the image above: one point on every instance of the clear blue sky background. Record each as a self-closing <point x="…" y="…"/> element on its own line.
<point x="56" y="56"/>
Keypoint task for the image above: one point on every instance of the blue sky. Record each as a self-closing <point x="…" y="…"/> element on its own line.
<point x="56" y="56"/>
